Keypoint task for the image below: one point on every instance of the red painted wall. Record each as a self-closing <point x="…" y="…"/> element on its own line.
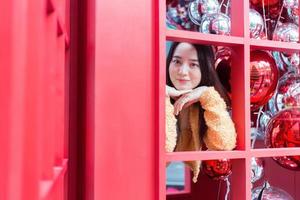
<point x="32" y="90"/>
<point x="125" y="144"/>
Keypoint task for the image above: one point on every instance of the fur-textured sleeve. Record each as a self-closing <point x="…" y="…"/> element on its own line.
<point x="171" y="134"/>
<point x="221" y="134"/>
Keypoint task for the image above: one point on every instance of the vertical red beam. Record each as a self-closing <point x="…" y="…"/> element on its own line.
<point x="50" y="25"/>
<point x="160" y="59"/>
<point x="34" y="63"/>
<point x="67" y="97"/>
<point x="125" y="138"/>
<point x="240" y="98"/>
<point x="5" y="91"/>
<point x="60" y="83"/>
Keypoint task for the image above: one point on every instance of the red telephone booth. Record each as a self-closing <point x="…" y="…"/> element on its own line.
<point x="129" y="91"/>
<point x="82" y="107"/>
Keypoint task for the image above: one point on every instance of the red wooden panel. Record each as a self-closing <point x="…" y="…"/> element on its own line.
<point x="49" y="95"/>
<point x="31" y="88"/>
<point x="125" y="139"/>
<point x="5" y="91"/>
<point x="34" y="53"/>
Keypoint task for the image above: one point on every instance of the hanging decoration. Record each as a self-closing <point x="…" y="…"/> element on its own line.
<point x="286" y="32"/>
<point x="257" y="169"/>
<point x="262" y="3"/>
<point x="279" y="18"/>
<point x="256" y="24"/>
<point x="217" y="169"/>
<point x="177" y="15"/>
<point x="208" y="6"/>
<point x="268" y="192"/>
<point x="288" y="92"/>
<point x="194" y="14"/>
<point x="206" y="16"/>
<point x="283" y="131"/>
<point x="223" y="66"/>
<point x="292" y="11"/>
<point x="217" y="23"/>
<point x="263" y="78"/>
<point x="291" y="60"/>
<point x="290" y="3"/>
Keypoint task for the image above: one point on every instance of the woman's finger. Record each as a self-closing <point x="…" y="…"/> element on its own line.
<point x="176" y="106"/>
<point x="180" y="103"/>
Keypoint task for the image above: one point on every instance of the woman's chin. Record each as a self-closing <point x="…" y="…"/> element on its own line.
<point x="183" y="88"/>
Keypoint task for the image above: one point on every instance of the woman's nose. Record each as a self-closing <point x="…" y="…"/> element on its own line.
<point x="184" y="68"/>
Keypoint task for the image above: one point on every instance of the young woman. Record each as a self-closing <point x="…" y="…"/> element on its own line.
<point x="196" y="103"/>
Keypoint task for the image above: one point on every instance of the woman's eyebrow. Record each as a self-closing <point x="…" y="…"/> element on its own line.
<point x="177" y="57"/>
<point x="193" y="60"/>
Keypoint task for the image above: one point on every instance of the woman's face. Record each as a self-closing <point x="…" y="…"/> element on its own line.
<point x="184" y="68"/>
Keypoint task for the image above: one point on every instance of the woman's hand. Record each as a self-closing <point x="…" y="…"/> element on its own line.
<point x="173" y="93"/>
<point x="188" y="99"/>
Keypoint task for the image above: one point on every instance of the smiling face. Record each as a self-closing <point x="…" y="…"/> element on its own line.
<point x="184" y="68"/>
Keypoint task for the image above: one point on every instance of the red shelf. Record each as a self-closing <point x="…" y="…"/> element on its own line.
<point x="274" y="152"/>
<point x="204" y="155"/>
<point x="274" y="45"/>
<point x="201" y="38"/>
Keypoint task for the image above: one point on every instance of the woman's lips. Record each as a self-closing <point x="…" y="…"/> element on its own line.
<point x="182" y="81"/>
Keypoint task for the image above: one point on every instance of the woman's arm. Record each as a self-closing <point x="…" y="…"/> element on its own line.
<point x="221" y="134"/>
<point x="171" y="134"/>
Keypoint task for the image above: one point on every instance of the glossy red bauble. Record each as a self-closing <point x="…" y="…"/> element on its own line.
<point x="217" y="169"/>
<point x="283" y="130"/>
<point x="223" y="66"/>
<point x="263" y="78"/>
<point x="272" y="7"/>
<point x="265" y="2"/>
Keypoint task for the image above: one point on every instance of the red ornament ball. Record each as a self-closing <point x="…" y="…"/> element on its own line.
<point x="217" y="169"/>
<point x="265" y="2"/>
<point x="271" y="7"/>
<point x="263" y="78"/>
<point x="223" y="67"/>
<point x="283" y="130"/>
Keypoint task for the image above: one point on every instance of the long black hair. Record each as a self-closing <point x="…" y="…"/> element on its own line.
<point x="209" y="76"/>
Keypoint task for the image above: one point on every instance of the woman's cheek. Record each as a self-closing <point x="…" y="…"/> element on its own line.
<point x="172" y="73"/>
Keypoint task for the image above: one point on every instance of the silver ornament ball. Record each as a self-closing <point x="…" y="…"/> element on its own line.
<point x="256" y="23"/>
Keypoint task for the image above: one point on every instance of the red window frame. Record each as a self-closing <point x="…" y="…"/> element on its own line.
<point x="242" y="44"/>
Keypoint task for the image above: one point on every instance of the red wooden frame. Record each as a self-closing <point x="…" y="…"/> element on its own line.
<point x="241" y="44"/>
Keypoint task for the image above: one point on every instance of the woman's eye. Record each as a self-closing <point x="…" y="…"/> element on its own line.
<point x="194" y="65"/>
<point x="175" y="61"/>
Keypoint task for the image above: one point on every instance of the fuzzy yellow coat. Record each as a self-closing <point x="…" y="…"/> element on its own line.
<point x="220" y="134"/>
